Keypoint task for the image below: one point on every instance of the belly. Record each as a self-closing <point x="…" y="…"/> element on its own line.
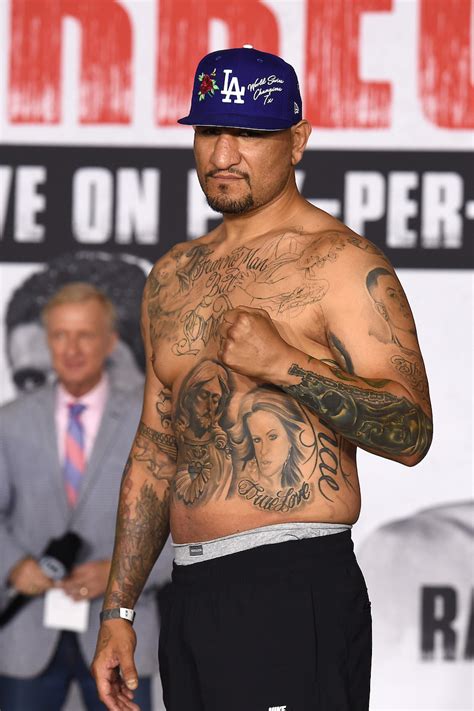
<point x="250" y="455"/>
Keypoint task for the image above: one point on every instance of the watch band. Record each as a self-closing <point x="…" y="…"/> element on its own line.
<point x="124" y="612"/>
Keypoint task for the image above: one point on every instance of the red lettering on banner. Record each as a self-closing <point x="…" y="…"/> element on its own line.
<point x="335" y="96"/>
<point x="35" y="61"/>
<point x="446" y="88"/>
<point x="184" y="39"/>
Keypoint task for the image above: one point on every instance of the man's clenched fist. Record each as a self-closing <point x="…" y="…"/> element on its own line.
<point x="251" y="345"/>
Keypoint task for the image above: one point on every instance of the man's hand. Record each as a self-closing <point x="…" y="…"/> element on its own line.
<point x="113" y="667"/>
<point x="28" y="578"/>
<point x="87" y="581"/>
<point x="251" y="345"/>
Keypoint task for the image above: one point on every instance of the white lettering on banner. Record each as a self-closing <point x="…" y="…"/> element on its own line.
<point x="364" y="198"/>
<point x="137" y="205"/>
<point x="6" y="175"/>
<point x="92" y="200"/>
<point x="400" y="207"/>
<point x="232" y="89"/>
<point x="28" y="203"/>
<point x="442" y="201"/>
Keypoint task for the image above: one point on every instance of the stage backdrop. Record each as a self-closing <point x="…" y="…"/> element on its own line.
<point x="93" y="162"/>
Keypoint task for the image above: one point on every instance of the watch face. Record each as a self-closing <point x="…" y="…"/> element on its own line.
<point x="52" y="567"/>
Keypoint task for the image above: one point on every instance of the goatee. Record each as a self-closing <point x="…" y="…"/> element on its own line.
<point x="228" y="206"/>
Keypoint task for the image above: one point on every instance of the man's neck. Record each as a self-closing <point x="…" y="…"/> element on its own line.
<point x="77" y="390"/>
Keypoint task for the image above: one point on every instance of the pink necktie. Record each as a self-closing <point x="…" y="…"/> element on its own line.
<point x="74" y="460"/>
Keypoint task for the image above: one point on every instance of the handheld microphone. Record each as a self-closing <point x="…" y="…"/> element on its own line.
<point x="56" y="561"/>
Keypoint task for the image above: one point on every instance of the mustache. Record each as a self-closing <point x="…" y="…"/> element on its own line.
<point x="233" y="171"/>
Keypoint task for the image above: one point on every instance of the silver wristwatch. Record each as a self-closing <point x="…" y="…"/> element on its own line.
<point x="114" y="612"/>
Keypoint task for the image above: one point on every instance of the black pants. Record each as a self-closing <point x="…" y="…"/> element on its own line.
<point x="282" y="627"/>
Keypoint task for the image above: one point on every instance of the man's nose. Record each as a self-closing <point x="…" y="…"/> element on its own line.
<point x="226" y="151"/>
<point x="72" y="346"/>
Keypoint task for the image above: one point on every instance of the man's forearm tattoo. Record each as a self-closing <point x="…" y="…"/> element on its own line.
<point x="142" y="529"/>
<point x="378" y="420"/>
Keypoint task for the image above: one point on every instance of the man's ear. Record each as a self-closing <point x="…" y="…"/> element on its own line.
<point x="300" y="133"/>
<point x="380" y="308"/>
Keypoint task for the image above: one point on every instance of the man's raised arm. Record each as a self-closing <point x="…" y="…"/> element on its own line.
<point x="141" y="532"/>
<point x="373" y="389"/>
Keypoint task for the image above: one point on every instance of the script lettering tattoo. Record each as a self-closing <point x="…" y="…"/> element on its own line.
<point x="157" y="450"/>
<point x="292" y="279"/>
<point x="282" y="501"/>
<point x="191" y="289"/>
<point x="201" y="324"/>
<point x="141" y="532"/>
<point x="413" y="372"/>
<point x="374" y="419"/>
<point x="220" y="277"/>
<point x="330" y="465"/>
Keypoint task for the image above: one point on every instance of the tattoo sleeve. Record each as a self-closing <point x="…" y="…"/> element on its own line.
<point x="143" y="514"/>
<point x="374" y="419"/>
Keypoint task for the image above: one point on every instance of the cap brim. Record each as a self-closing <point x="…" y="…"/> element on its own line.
<point x="257" y="123"/>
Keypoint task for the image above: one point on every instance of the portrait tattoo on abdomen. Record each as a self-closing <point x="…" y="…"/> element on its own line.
<point x="265" y="453"/>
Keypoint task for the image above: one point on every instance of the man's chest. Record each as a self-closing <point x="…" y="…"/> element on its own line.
<point x="187" y="312"/>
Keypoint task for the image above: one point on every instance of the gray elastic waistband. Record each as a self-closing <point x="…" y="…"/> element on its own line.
<point x="188" y="553"/>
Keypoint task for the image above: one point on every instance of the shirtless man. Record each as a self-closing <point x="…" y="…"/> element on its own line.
<point x="268" y="366"/>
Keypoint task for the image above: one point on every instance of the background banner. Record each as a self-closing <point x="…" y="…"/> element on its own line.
<point x="97" y="182"/>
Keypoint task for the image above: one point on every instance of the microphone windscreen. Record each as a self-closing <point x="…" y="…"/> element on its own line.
<point x="57" y="560"/>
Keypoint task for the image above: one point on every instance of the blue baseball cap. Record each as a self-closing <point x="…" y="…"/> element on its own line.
<point x="245" y="88"/>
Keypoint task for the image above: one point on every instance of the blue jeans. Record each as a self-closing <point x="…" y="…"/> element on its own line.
<point x="48" y="691"/>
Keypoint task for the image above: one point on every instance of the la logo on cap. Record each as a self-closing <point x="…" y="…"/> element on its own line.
<point x="232" y="88"/>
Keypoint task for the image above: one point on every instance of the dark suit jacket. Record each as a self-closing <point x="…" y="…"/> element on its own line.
<point x="34" y="509"/>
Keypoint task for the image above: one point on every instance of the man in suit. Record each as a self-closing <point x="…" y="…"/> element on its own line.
<point x="63" y="451"/>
